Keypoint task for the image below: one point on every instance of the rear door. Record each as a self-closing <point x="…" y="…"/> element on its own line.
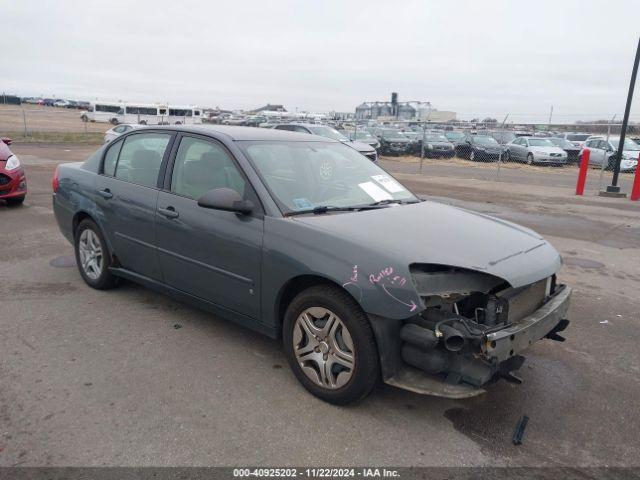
<point x="596" y="148"/>
<point x="211" y="254"/>
<point x="519" y="148"/>
<point x="127" y="194"/>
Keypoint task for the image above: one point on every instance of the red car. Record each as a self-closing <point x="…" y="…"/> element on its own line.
<point x="13" y="182"/>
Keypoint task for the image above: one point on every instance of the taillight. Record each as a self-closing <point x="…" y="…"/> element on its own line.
<point x="55" y="182"/>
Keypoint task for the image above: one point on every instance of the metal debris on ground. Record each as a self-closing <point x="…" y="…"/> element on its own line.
<point x="519" y="432"/>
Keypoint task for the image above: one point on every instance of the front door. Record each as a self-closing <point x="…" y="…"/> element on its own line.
<point x="127" y="196"/>
<point x="211" y="254"/>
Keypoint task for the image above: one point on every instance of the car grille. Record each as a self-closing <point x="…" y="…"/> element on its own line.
<point x="398" y="145"/>
<point x="4" y="179"/>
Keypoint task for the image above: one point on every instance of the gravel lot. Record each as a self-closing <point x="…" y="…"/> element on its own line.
<point x="129" y="377"/>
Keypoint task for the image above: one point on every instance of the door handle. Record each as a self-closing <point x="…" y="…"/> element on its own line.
<point x="106" y="193"/>
<point x="169" y="212"/>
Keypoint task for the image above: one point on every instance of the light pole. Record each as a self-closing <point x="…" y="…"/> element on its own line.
<point x="613" y="190"/>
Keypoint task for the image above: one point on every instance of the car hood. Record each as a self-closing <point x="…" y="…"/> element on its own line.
<point x="434" y="233"/>
<point x="359" y="146"/>
<point x="547" y="150"/>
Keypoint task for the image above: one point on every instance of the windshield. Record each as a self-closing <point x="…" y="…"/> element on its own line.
<point x="455" y="136"/>
<point x="392" y="134"/>
<point x="364" y="136"/>
<point x="487" y="141"/>
<point x="305" y="175"/>
<point x="540" y="142"/>
<point x="628" y="144"/>
<point x="328" y="132"/>
<point x="562" y="143"/>
<point x="578" y="137"/>
<point x="436" y="138"/>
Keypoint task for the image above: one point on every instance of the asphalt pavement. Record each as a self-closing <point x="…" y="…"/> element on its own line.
<point x="129" y="377"/>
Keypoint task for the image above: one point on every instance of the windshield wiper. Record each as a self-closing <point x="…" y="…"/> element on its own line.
<point x="322" y="209"/>
<point x="390" y="201"/>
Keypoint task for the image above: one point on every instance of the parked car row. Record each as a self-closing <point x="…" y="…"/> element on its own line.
<point x="506" y="146"/>
<point x="56" y="102"/>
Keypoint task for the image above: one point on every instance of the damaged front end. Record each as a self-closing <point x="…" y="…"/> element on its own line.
<point x="471" y="332"/>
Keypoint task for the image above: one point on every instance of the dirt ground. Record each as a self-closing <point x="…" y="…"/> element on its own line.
<point x="45" y="119"/>
<point x="106" y="378"/>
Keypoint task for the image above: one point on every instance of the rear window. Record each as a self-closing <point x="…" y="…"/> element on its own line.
<point x="578" y="137"/>
<point x="140" y="158"/>
<point x="111" y="158"/>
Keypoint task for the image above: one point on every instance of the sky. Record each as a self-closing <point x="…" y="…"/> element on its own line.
<point x="477" y="58"/>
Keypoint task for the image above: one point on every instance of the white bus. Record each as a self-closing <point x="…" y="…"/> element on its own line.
<point x="102" y="112"/>
<point x="184" y="115"/>
<point x="144" y="114"/>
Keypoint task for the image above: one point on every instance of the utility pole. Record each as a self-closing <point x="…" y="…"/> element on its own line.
<point x="550" y="115"/>
<point x="613" y="190"/>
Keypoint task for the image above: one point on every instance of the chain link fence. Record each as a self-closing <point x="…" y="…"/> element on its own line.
<point x="39" y="123"/>
<point x="491" y="150"/>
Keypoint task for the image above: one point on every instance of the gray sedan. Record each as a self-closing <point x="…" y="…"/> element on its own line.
<point x="303" y="239"/>
<point x="535" y="150"/>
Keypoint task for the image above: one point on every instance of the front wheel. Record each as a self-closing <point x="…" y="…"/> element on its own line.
<point x="330" y="345"/>
<point x="611" y="163"/>
<point x="530" y="159"/>
<point x="92" y="256"/>
<point x="472" y="156"/>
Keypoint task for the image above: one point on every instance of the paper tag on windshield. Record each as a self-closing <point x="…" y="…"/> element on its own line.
<point x="389" y="183"/>
<point x="375" y="191"/>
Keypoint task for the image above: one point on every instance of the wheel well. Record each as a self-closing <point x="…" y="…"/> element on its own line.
<point x="79" y="217"/>
<point x="293" y="288"/>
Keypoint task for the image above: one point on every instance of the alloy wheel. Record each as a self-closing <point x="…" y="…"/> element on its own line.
<point x="91" y="259"/>
<point x="323" y="347"/>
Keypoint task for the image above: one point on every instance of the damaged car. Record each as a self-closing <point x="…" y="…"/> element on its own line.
<point x="304" y="239"/>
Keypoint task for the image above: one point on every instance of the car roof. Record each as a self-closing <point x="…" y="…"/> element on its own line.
<point x="238" y="133"/>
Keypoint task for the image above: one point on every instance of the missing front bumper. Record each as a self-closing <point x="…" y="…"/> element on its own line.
<point x="467" y="374"/>
<point x="503" y="344"/>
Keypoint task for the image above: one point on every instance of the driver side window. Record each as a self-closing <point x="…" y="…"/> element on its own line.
<point x="203" y="165"/>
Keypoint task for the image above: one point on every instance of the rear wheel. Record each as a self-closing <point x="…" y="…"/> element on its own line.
<point x="611" y="163"/>
<point x="92" y="256"/>
<point x="472" y="156"/>
<point x="15" y="201"/>
<point x="330" y="345"/>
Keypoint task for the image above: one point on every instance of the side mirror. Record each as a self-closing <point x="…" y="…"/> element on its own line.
<point x="225" y="199"/>
<point x="6" y="141"/>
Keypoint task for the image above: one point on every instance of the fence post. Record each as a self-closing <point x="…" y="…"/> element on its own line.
<point x="635" y="190"/>
<point x="424" y="130"/>
<point x="24" y="121"/>
<point x="582" y="174"/>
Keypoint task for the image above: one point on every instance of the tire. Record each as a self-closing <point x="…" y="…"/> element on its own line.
<point x="114" y="121"/>
<point x="143" y="122"/>
<point x="15" y="201"/>
<point x="611" y="163"/>
<point x="342" y="385"/>
<point x="507" y="156"/>
<point x="472" y="156"/>
<point x="84" y="118"/>
<point x="98" y="276"/>
<point x="530" y="159"/>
